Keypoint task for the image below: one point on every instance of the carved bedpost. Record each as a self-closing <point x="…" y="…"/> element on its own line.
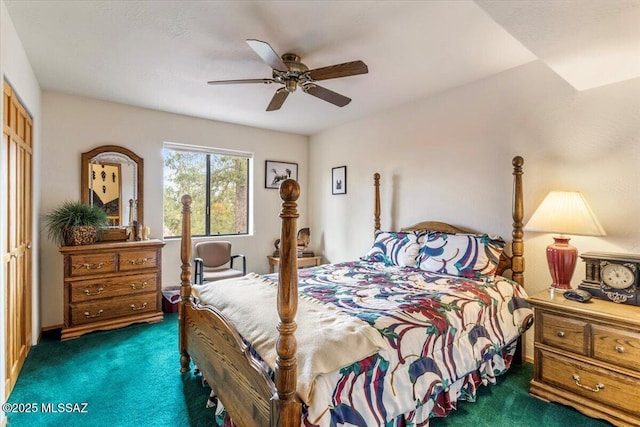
<point x="376" y="210"/>
<point x="287" y="408"/>
<point x="185" y="280"/>
<point x="517" y="247"/>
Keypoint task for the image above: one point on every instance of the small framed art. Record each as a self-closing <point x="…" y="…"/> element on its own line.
<point x="339" y="180"/>
<point x="276" y="172"/>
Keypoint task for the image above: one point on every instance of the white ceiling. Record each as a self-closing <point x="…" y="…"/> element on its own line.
<point x="160" y="54"/>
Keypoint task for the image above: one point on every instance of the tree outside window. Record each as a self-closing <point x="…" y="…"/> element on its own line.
<point x="217" y="181"/>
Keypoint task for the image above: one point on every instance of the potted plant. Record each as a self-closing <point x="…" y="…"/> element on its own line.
<point x="74" y="223"/>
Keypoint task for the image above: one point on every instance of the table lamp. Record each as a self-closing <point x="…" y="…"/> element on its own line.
<point x="564" y="212"/>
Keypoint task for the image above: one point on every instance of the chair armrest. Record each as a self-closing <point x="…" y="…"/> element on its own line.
<point x="244" y="263"/>
<point x="198" y="271"/>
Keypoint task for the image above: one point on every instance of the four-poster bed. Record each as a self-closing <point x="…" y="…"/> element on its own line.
<point x="241" y="374"/>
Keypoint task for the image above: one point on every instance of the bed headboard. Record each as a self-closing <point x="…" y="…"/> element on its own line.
<point x="513" y="262"/>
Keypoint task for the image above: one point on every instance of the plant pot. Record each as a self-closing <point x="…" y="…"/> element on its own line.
<point x="80" y="235"/>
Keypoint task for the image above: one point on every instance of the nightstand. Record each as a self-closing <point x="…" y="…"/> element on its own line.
<point x="587" y="355"/>
<point x="310" y="261"/>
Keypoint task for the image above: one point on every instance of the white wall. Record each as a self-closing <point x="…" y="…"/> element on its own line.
<point x="73" y="125"/>
<point x="16" y="69"/>
<point x="449" y="157"/>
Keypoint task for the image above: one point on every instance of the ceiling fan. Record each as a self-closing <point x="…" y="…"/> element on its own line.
<point x="289" y="71"/>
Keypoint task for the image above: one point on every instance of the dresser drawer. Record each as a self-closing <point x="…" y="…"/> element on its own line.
<point x="88" y="290"/>
<point x="560" y="332"/>
<point x="580" y="378"/>
<point x="90" y="264"/>
<point x="137" y="260"/>
<point x="617" y="346"/>
<point x="88" y="312"/>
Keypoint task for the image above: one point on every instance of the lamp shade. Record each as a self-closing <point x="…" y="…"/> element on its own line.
<point x="565" y="212"/>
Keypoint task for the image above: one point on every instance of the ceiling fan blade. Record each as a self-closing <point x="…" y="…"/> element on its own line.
<point x="278" y="99"/>
<point x="339" y="70"/>
<point x="327" y="95"/>
<point x="268" y="55"/>
<point x="230" y="82"/>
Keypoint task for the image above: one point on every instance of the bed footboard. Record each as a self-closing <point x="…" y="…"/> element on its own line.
<point x="238" y="380"/>
<point x="241" y="383"/>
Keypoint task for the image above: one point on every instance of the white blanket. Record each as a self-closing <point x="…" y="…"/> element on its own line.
<point x="328" y="339"/>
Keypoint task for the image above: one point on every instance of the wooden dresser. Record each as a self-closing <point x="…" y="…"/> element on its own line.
<point x="111" y="285"/>
<point x="587" y="355"/>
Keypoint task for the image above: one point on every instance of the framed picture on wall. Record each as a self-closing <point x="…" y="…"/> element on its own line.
<point x="339" y="180"/>
<point x="276" y="172"/>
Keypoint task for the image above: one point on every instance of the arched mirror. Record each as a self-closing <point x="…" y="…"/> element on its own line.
<point x="112" y="178"/>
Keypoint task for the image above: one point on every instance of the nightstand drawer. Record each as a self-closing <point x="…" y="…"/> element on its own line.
<point x="87" y="290"/>
<point x="616" y="346"/>
<point x="560" y="332"/>
<point x="137" y="260"/>
<point x="601" y="385"/>
<point x="88" y="312"/>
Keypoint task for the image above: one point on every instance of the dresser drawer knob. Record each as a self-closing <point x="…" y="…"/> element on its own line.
<point x="560" y="334"/>
<point x="134" y="308"/>
<point x="90" y="316"/>
<point x="142" y="285"/>
<point x="597" y="388"/>
<point x="619" y="348"/>
<point x="98" y="292"/>
<point x="138" y="261"/>
<point x="93" y="266"/>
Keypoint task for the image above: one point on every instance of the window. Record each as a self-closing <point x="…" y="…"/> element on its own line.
<point x="218" y="182"/>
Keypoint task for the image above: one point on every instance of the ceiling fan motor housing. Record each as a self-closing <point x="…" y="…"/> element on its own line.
<point x="296" y="72"/>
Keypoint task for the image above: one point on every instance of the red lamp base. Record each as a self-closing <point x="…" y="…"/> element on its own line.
<point x="561" y="257"/>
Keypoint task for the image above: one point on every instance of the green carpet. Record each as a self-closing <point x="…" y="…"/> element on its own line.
<point x="130" y="377"/>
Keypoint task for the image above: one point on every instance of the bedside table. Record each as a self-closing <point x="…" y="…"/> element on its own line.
<point x="310" y="261"/>
<point x="587" y="355"/>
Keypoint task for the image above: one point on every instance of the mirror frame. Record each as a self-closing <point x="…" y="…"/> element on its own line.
<point x="84" y="175"/>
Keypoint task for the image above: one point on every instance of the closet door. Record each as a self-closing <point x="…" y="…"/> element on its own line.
<point x="16" y="245"/>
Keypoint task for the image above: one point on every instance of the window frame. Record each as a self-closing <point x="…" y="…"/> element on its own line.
<point x="208" y="152"/>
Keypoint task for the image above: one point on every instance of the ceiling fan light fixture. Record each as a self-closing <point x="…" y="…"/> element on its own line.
<point x="291" y="85"/>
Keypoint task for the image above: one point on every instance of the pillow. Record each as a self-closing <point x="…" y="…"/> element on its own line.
<point x="396" y="248"/>
<point x="466" y="255"/>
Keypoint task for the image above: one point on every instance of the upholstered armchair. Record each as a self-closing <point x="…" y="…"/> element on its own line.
<point x="214" y="261"/>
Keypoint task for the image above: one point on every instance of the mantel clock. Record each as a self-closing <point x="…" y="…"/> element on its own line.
<point x="612" y="276"/>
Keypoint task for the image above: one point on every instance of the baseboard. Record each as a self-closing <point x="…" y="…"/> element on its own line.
<point x="50" y="332"/>
<point x="49" y="328"/>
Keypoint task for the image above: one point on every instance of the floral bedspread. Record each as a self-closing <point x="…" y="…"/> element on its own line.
<point x="445" y="336"/>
